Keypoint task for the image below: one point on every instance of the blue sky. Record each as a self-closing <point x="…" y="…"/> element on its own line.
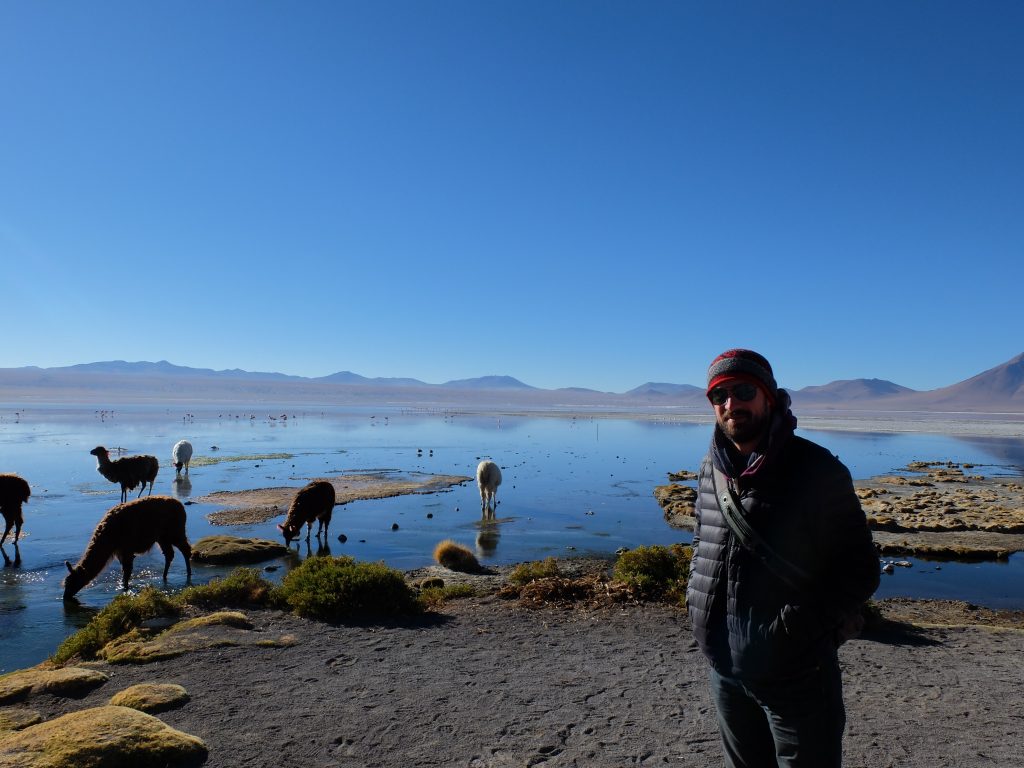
<point x="591" y="194"/>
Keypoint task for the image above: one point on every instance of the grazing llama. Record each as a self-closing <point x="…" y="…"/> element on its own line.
<point x="314" y="501"/>
<point x="129" y="471"/>
<point x="488" y="478"/>
<point x="181" y="455"/>
<point x="128" y="530"/>
<point x="14" y="492"/>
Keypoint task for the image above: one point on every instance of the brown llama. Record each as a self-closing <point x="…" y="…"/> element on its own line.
<point x="314" y="501"/>
<point x="128" y="530"/>
<point x="14" y="492"/>
<point x="129" y="471"/>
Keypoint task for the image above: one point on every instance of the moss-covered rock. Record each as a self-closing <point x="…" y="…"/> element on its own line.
<point x="214" y="630"/>
<point x="16" y="718"/>
<point x="58" y="681"/>
<point x="101" y="736"/>
<point x="235" y="550"/>
<point x="151" y="697"/>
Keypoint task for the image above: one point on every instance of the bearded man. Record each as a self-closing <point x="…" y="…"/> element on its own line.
<point x="782" y="562"/>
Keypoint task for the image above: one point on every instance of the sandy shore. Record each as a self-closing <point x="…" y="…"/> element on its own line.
<point x="488" y="682"/>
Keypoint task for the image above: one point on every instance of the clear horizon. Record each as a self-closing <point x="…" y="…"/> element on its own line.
<point x="577" y="194"/>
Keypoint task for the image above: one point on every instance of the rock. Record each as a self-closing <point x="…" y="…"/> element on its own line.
<point x="681" y="476"/>
<point x="63" y="681"/>
<point x="102" y="736"/>
<point x="235" y="550"/>
<point x="677" y="501"/>
<point x="151" y="697"/>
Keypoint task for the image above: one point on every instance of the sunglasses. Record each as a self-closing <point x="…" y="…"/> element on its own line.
<point x="742" y="392"/>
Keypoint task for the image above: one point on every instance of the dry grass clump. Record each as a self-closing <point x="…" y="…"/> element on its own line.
<point x="653" y="573"/>
<point x="456" y="557"/>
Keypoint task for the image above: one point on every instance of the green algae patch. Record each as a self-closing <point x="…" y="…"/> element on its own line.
<point x="101" y="736"/>
<point x="209" y="461"/>
<point x="62" y="681"/>
<point x="151" y="697"/>
<point x="17" y="718"/>
<point x="235" y="550"/>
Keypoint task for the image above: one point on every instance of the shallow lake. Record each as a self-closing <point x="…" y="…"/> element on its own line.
<point x="571" y="486"/>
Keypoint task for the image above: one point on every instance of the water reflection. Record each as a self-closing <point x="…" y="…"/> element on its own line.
<point x="181" y="487"/>
<point x="8" y="562"/>
<point x="1007" y="449"/>
<point x="487" y="538"/>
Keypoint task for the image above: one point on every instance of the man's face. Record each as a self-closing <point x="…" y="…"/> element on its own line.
<point x="743" y="421"/>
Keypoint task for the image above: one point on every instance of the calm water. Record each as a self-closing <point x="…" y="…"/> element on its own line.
<point x="570" y="486"/>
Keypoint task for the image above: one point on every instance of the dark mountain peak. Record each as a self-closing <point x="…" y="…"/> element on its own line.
<point x="1002" y="384"/>
<point x="487" y="382"/>
<point x="663" y="389"/>
<point x="852" y="389"/>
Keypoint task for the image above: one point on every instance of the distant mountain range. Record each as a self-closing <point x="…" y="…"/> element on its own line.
<point x="997" y="390"/>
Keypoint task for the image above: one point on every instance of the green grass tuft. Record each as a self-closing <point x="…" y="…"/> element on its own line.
<point x="655" y="572"/>
<point x="435" y="597"/>
<point x="242" y="587"/>
<point x="335" y="588"/>
<point x="524" y="573"/>
<point x="123" y="614"/>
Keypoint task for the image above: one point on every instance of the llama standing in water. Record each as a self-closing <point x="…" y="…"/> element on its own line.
<point x="128" y="472"/>
<point x="128" y="530"/>
<point x="314" y="501"/>
<point x="181" y="455"/>
<point x="14" y="492"/>
<point x="488" y="478"/>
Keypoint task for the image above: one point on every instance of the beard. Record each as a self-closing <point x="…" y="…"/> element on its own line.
<point x="742" y="426"/>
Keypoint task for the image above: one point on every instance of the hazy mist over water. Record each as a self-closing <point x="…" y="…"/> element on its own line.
<point x="571" y="486"/>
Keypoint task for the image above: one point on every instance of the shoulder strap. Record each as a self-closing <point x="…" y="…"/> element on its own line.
<point x="732" y="511"/>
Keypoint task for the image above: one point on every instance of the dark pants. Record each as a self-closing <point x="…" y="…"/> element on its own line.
<point x="797" y="722"/>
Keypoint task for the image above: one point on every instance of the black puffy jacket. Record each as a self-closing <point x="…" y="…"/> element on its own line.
<point x="748" y="622"/>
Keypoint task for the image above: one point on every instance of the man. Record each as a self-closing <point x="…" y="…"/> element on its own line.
<point x="769" y="608"/>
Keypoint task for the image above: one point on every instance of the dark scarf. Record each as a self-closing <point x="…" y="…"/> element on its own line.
<point x="781" y="424"/>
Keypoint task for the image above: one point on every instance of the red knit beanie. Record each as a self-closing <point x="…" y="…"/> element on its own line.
<point x="743" y="365"/>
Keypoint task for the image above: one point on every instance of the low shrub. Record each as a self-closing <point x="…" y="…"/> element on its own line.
<point x="456" y="557"/>
<point x="524" y="573"/>
<point x="242" y="587"/>
<point x="335" y="588"/>
<point x="655" y="572"/>
<point x="119" y="617"/>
